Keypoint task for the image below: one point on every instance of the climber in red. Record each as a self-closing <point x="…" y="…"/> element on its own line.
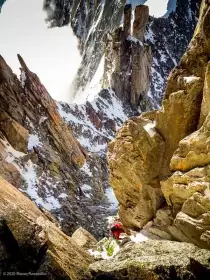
<point x="116" y="229"/>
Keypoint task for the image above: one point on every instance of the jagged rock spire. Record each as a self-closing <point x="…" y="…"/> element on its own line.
<point x="129" y="59"/>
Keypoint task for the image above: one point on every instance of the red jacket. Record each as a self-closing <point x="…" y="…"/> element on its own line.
<point x="116" y="230"/>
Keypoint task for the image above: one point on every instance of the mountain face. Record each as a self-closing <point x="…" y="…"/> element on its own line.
<point x="91" y="22"/>
<point x="43" y="159"/>
<point x="159" y="162"/>
<point x="94" y="22"/>
<point x="96" y="121"/>
<point x="128" y="59"/>
<point x="169" y="38"/>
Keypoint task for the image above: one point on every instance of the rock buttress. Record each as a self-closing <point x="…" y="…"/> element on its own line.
<point x="183" y="112"/>
<point x="31" y="243"/>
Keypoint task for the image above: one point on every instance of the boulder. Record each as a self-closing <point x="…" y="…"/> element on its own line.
<point x="193" y="151"/>
<point x="135" y="160"/>
<point x="181" y="186"/>
<point x="7" y="170"/>
<point x="83" y="238"/>
<point x="30" y="242"/>
<point x="154" y="259"/>
<point x="161" y="223"/>
<point x="192" y="223"/>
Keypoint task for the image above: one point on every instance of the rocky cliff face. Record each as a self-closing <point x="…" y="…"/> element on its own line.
<point x="163" y="155"/>
<point x="128" y="59"/>
<point x="41" y="157"/>
<point x="91" y="21"/>
<point x="176" y="32"/>
<point x="94" y="23"/>
<point x="31" y="245"/>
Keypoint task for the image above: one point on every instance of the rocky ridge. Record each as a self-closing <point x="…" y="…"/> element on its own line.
<point x="176" y="32"/>
<point x="33" y="246"/>
<point x="43" y="159"/>
<point x="92" y="22"/>
<point x="128" y="60"/>
<point x="163" y="155"/>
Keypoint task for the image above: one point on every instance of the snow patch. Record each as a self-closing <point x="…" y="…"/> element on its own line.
<point x="139" y="237"/>
<point x="109" y="193"/>
<point x="33" y="141"/>
<point x="86" y="169"/>
<point x="135" y="40"/>
<point x="63" y="195"/>
<point x="149" y="36"/>
<point x="149" y="127"/>
<point x="190" y="79"/>
<point x="22" y="78"/>
<point x="86" y="188"/>
<point x="42" y="119"/>
<point x="93" y="88"/>
<point x="28" y="173"/>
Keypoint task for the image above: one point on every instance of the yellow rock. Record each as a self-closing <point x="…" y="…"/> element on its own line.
<point x="83" y="238"/>
<point x="134" y="170"/>
<point x="16" y="134"/>
<point x="36" y="235"/>
<point x="141" y="158"/>
<point x="205" y="107"/>
<point x="193" y="150"/>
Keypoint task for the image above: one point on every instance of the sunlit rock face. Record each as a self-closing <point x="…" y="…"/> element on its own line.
<point x="154" y="259"/>
<point x="174" y="141"/>
<point x="31" y="243"/>
<point x="91" y="22"/>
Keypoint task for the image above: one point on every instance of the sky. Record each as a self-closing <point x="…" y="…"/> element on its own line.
<point x="157" y="8"/>
<point x="51" y="53"/>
